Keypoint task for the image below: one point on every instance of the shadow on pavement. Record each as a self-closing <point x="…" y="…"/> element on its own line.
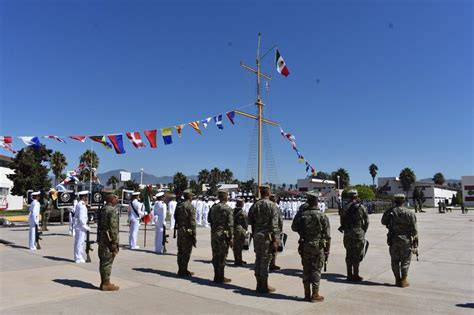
<point x="12" y="245"/>
<point x="151" y="252"/>
<point x="76" y="283"/>
<point x="229" y="263"/>
<point x="236" y="289"/>
<point x="290" y="272"/>
<point x="55" y="234"/>
<point x="466" y="305"/>
<point x="58" y="258"/>
<point x="339" y="278"/>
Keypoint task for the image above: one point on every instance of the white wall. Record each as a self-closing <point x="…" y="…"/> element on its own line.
<point x="13" y="202"/>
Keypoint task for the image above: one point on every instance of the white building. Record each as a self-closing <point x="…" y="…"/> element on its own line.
<point x="433" y="193"/>
<point x="7" y="200"/>
<point x="314" y="184"/>
<point x="468" y="190"/>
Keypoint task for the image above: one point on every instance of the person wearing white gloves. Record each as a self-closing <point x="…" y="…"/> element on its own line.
<point x="135" y="213"/>
<point x="33" y="219"/>
<point x="80" y="226"/>
<point x="159" y="211"/>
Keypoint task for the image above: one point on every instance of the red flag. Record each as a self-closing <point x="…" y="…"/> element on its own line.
<point x="195" y="125"/>
<point x="79" y="138"/>
<point x="6" y="139"/>
<point x="136" y="139"/>
<point x="56" y="138"/>
<point x="151" y="136"/>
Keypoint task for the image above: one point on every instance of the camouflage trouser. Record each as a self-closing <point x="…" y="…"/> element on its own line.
<point x="312" y="259"/>
<point x="106" y="258"/>
<point x="45" y="218"/>
<point x="185" y="247"/>
<point x="220" y="248"/>
<point x="354" y="245"/>
<point x="262" y="249"/>
<point x="401" y="257"/>
<point x="239" y="240"/>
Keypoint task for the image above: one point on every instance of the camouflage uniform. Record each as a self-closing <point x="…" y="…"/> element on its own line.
<point x="45" y="212"/>
<point x="263" y="216"/>
<point x="273" y="255"/>
<point x="108" y="226"/>
<point x="354" y="222"/>
<point x="240" y="231"/>
<point x="314" y="230"/>
<point x="221" y="219"/>
<point x="402" y="228"/>
<point x="185" y="218"/>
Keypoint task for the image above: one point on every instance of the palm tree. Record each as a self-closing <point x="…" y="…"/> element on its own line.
<point x="373" y="172"/>
<point x="407" y="178"/>
<point x="180" y="183"/>
<point x="113" y="181"/>
<point x="344" y="178"/>
<point x="215" y="175"/>
<point x="58" y="164"/>
<point x="438" y="179"/>
<point x="91" y="160"/>
<point x="291" y="186"/>
<point x="283" y="186"/>
<point x="203" y="176"/>
<point x="227" y="175"/>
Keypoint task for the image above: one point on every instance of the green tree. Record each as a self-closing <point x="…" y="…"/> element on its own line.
<point x="91" y="160"/>
<point x="203" y="177"/>
<point x="227" y="176"/>
<point x="58" y="164"/>
<point x="283" y="186"/>
<point x="373" y="172"/>
<point x="364" y="191"/>
<point x="291" y="186"/>
<point x="195" y="187"/>
<point x="30" y="172"/>
<point x="249" y="186"/>
<point x="180" y="183"/>
<point x="344" y="178"/>
<point x="438" y="179"/>
<point x="407" y="178"/>
<point x="322" y="175"/>
<point x="113" y="180"/>
<point x="131" y="185"/>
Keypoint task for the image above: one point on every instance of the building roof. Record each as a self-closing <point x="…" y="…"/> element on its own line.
<point x="5" y="158"/>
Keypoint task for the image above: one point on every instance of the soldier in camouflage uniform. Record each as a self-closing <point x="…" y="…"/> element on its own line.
<point x="46" y="204"/>
<point x="273" y="255"/>
<point x="108" y="229"/>
<point x="221" y="219"/>
<point x="185" y="224"/>
<point x="240" y="231"/>
<point x="402" y="233"/>
<point x="315" y="242"/>
<point x="263" y="216"/>
<point x="354" y="224"/>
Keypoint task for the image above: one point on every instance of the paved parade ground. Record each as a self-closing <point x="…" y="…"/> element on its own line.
<point x="47" y="281"/>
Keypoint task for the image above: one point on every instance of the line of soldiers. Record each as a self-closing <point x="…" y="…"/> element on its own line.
<point x="229" y="229"/>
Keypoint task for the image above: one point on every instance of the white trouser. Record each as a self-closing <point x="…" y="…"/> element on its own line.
<point x="32" y="237"/>
<point x="79" y="239"/>
<point x="71" y="223"/>
<point x="159" y="238"/>
<point x="204" y="218"/>
<point x="132" y="239"/>
<point x="172" y="221"/>
<point x="199" y="215"/>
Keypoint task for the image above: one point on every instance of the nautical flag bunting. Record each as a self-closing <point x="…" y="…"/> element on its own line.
<point x="151" y="136"/>
<point x="135" y="139"/>
<point x="102" y="140"/>
<point x="179" y="129"/>
<point x="56" y="138"/>
<point x="218" y="120"/>
<point x="79" y="138"/>
<point x="206" y="121"/>
<point x="231" y="116"/>
<point x="167" y="135"/>
<point x="31" y="142"/>
<point x="117" y="142"/>
<point x="6" y="139"/>
<point x="195" y="125"/>
<point x="8" y="147"/>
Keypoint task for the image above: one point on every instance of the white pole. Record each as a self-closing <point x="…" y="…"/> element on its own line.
<point x="141" y="176"/>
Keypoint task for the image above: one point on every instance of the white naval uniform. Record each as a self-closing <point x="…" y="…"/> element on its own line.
<point x="160" y="220"/>
<point x="72" y="211"/>
<point x="205" y="211"/>
<point x="81" y="227"/>
<point x="135" y="212"/>
<point x="33" y="220"/>
<point x="322" y="206"/>
<point x="172" y="208"/>
<point x="198" y="206"/>
<point x="294" y="208"/>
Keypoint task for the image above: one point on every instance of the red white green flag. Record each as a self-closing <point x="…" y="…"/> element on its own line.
<point x="281" y="65"/>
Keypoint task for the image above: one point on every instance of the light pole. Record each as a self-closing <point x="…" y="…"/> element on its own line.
<point x="338" y="187"/>
<point x="141" y="176"/>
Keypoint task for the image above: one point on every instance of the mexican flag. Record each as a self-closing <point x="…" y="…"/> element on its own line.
<point x="281" y="65"/>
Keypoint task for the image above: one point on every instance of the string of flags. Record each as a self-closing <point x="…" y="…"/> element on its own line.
<point x="116" y="141"/>
<point x="292" y="140"/>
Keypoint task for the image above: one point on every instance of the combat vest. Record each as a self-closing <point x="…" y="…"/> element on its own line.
<point x="352" y="217"/>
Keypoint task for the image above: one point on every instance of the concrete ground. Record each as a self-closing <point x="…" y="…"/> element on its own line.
<point x="47" y="281"/>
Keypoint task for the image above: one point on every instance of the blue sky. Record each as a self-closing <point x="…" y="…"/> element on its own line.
<point x="384" y="82"/>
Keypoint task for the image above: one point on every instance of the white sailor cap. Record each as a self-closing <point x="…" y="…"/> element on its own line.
<point x="136" y="193"/>
<point x="35" y="193"/>
<point x="158" y="195"/>
<point x="82" y="193"/>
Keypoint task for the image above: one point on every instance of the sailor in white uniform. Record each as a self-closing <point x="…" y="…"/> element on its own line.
<point x="80" y="226"/>
<point x="206" y="205"/>
<point x="159" y="211"/>
<point x="172" y="207"/>
<point x="33" y="219"/>
<point x="135" y="213"/>
<point x="198" y="206"/>
<point x="72" y="211"/>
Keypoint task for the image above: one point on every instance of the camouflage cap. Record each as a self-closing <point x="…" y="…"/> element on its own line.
<point x="222" y="192"/>
<point x="399" y="196"/>
<point x="188" y="192"/>
<point x="264" y="186"/>
<point x="312" y="194"/>
<point x="353" y="192"/>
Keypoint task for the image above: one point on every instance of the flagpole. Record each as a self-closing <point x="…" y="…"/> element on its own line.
<point x="260" y="108"/>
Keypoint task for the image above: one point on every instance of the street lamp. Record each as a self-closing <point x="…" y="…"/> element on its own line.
<point x="338" y="187"/>
<point x="141" y="176"/>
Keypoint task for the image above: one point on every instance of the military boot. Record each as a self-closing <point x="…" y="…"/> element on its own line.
<point x="349" y="273"/>
<point x="307" y="292"/>
<point x="259" y="285"/>
<point x="226" y="280"/>
<point x="265" y="287"/>
<point x="398" y="279"/>
<point x="274" y="267"/>
<point x="356" y="277"/>
<point x="404" y="282"/>
<point x="107" y="286"/>
<point x="316" y="297"/>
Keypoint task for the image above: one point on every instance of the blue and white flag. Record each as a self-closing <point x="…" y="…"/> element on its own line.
<point x="218" y="120"/>
<point x="206" y="121"/>
<point x="31" y="142"/>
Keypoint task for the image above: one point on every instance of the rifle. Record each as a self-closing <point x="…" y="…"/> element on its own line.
<point x="326" y="246"/>
<point x="248" y="240"/>
<point x="37" y="237"/>
<point x="165" y="238"/>
<point x="390" y="229"/>
<point x="283" y="239"/>
<point x="88" y="246"/>
<point x="414" y="247"/>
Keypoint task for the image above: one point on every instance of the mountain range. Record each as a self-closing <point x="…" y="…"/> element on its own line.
<point x="148" y="179"/>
